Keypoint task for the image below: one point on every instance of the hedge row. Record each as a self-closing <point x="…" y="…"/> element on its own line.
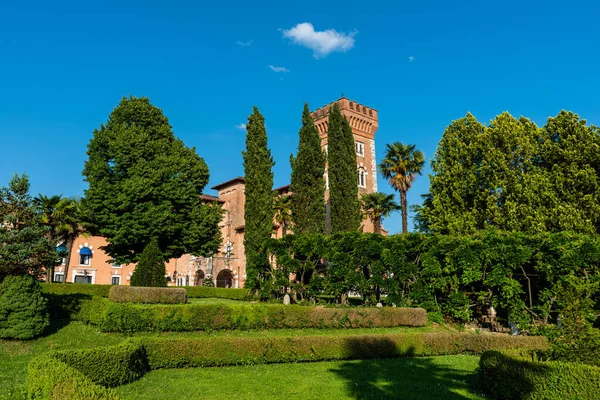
<point x="201" y="292"/>
<point x="209" y="352"/>
<point x="152" y="295"/>
<point x="76" y="288"/>
<point x="51" y="379"/>
<point x="509" y="375"/>
<point x="124" y="317"/>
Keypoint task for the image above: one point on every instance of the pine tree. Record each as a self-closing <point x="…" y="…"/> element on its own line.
<point x="258" y="207"/>
<point x="150" y="270"/>
<point x="308" y="183"/>
<point x="343" y="174"/>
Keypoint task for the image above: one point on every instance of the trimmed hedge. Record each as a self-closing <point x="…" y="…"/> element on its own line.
<point x="509" y="375"/>
<point x="153" y="295"/>
<point x="122" y="317"/>
<point x="203" y="292"/>
<point x="52" y="379"/>
<point x="121" y="364"/>
<point x="76" y="288"/>
<point x="210" y="352"/>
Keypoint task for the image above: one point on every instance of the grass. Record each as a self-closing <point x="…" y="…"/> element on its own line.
<point x="16" y="354"/>
<point x="440" y="378"/>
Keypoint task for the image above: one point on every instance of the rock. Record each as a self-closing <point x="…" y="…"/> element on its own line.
<point x="379" y="305"/>
<point x="286" y="299"/>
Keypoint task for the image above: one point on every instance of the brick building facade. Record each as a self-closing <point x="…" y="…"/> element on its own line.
<point x="227" y="267"/>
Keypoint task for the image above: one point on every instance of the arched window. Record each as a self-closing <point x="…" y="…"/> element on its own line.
<point x="85" y="256"/>
<point x="362" y="178"/>
<point x="225" y="279"/>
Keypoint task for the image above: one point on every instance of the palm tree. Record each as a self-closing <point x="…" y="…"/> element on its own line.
<point x="400" y="166"/>
<point x="376" y="206"/>
<point x="64" y="217"/>
<point x="283" y="213"/>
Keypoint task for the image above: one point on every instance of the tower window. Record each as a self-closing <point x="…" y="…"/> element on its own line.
<point x="360" y="148"/>
<point x="362" y="179"/>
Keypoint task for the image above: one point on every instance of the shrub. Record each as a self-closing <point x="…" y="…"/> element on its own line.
<point x="122" y="317"/>
<point x="108" y="367"/>
<point x="208" y="352"/>
<point x="23" y="309"/>
<point x="509" y="375"/>
<point x="124" y="294"/>
<point x="51" y="379"/>
<point x="221" y="293"/>
<point x="75" y="288"/>
<point x="150" y="270"/>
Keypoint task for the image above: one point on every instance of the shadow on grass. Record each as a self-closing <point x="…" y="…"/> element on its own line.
<point x="61" y="309"/>
<point x="403" y="377"/>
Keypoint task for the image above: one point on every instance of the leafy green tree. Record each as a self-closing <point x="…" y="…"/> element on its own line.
<point x="150" y="270"/>
<point x="23" y="308"/>
<point x="145" y="183"/>
<point x="377" y="206"/>
<point x="343" y="174"/>
<point x="25" y="247"/>
<point x="308" y="183"/>
<point x="258" y="207"/>
<point x="282" y="208"/>
<point x="400" y="166"/>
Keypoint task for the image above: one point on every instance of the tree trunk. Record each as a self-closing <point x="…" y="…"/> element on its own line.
<point x="377" y="225"/>
<point x="283" y="229"/>
<point x="404" y="211"/>
<point x="69" y="243"/>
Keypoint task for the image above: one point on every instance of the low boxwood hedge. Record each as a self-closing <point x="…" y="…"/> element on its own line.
<point x="209" y="352"/>
<point x="511" y="375"/>
<point x="150" y="295"/>
<point x="79" y="374"/>
<point x="202" y="292"/>
<point x="124" y="317"/>
<point x="76" y="288"/>
<point x="51" y="379"/>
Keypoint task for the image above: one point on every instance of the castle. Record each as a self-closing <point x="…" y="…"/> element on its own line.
<point x="227" y="266"/>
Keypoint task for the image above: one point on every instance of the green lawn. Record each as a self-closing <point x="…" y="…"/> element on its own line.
<point x="15" y="355"/>
<point x="439" y="378"/>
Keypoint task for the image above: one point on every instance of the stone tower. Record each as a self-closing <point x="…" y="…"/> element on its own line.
<point x="364" y="122"/>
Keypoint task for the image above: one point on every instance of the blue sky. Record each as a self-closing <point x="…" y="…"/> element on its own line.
<point x="65" y="65"/>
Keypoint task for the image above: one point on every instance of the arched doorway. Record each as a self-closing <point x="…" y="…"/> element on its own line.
<point x="225" y="279"/>
<point x="199" y="278"/>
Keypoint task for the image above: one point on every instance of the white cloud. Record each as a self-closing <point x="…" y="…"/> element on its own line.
<point x="411" y="59"/>
<point x="241" y="126"/>
<point x="244" y="44"/>
<point x="320" y="42"/>
<point x="278" y="69"/>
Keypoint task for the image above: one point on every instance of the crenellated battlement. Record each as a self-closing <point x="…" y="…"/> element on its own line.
<point x="362" y="119"/>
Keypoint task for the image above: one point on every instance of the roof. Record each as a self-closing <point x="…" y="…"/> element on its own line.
<point x="285" y="188"/>
<point x="208" y="197"/>
<point x="239" y="179"/>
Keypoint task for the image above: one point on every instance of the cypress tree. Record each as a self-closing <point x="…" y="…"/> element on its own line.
<point x="258" y="207"/>
<point x="343" y="174"/>
<point x="150" y="271"/>
<point x="308" y="183"/>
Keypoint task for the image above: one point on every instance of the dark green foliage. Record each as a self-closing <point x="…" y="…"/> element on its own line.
<point x="343" y="174"/>
<point x="150" y="295"/>
<point x="144" y="184"/>
<point x="308" y="183"/>
<point x="377" y="206"/>
<point x="208" y="281"/>
<point x="150" y="270"/>
<point x="511" y="376"/>
<point x="50" y="379"/>
<point x="119" y="365"/>
<point x="123" y="317"/>
<point x="515" y="177"/>
<point x="258" y="207"/>
<point x="25" y="247"/>
<point x="534" y="277"/>
<point x="23" y="309"/>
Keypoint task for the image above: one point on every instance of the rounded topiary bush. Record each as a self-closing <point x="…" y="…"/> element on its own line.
<point x="23" y="309"/>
